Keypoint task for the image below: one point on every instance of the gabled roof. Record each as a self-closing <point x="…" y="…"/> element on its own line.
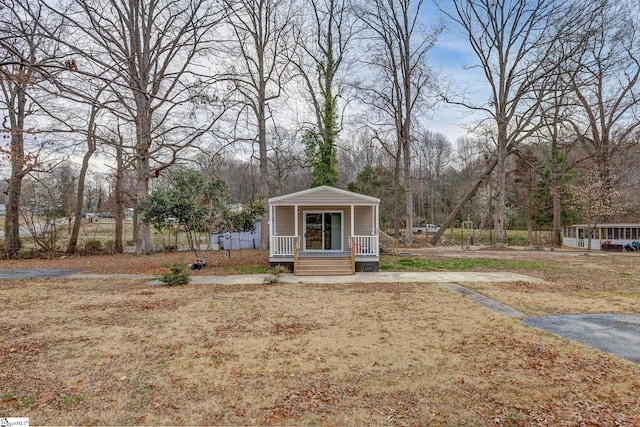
<point x="324" y="195"/>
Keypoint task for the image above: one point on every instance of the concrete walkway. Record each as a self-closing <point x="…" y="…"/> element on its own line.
<point x="379" y="277"/>
<point x="35" y="273"/>
<point x="257" y="279"/>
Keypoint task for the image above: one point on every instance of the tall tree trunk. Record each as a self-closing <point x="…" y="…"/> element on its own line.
<point x="556" y="194"/>
<point x="408" y="180"/>
<point x="396" y="192"/>
<point x="118" y="247"/>
<point x="501" y="177"/>
<point x="472" y="191"/>
<point x="143" y="242"/>
<point x="264" y="163"/>
<point x="19" y="170"/>
<point x="143" y="167"/>
<point x="12" y="216"/>
<point x="77" y="220"/>
<point x="143" y="237"/>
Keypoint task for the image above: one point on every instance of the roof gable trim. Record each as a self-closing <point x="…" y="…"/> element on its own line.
<point x="362" y="197"/>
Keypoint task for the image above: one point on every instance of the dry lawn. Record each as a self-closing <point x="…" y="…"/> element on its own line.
<point x="575" y="283"/>
<point x="240" y="262"/>
<point x="122" y="352"/>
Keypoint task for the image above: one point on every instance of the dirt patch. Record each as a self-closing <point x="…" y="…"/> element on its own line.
<point x="119" y="352"/>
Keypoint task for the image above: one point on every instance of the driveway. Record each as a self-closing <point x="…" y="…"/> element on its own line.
<point x="618" y="334"/>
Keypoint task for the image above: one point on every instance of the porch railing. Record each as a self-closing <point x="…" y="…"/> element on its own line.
<point x="360" y="245"/>
<point x="365" y="245"/>
<point x="295" y="255"/>
<point x="388" y="243"/>
<point x="283" y="245"/>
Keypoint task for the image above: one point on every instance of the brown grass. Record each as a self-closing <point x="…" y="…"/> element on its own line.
<point x="122" y="352"/>
<point x="242" y="261"/>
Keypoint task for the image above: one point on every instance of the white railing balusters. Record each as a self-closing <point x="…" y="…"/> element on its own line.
<point x="282" y="245"/>
<point x="361" y="245"/>
<point x="365" y="245"/>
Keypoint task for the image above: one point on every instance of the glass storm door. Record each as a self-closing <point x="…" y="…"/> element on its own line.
<point x="323" y="231"/>
<point x="313" y="231"/>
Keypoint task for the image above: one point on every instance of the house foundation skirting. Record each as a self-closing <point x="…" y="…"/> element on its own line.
<point x="361" y="266"/>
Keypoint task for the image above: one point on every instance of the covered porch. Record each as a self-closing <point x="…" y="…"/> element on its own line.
<point x="324" y="230"/>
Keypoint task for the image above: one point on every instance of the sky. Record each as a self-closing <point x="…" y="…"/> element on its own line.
<point x="451" y="58"/>
<point x="448" y="58"/>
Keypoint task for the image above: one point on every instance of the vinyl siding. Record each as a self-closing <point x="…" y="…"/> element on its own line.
<point x="364" y="224"/>
<point x="285" y="221"/>
<point x="325" y="197"/>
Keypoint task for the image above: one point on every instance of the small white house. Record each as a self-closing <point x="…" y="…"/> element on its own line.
<point x="324" y="231"/>
<point x="603" y="236"/>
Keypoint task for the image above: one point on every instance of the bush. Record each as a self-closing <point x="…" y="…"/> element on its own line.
<point x="93" y="247"/>
<point x="515" y="240"/>
<point x="109" y="247"/>
<point x="274" y="274"/>
<point x="27" y="253"/>
<point x="177" y="275"/>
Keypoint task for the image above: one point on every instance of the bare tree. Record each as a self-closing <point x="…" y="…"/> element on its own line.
<point x="399" y="46"/>
<point x="595" y="200"/>
<point x="488" y="169"/>
<point x="433" y="155"/>
<point x="23" y="52"/>
<point x="261" y="36"/>
<point x="324" y="38"/>
<point x="287" y="163"/>
<point x="151" y="50"/>
<point x="508" y="38"/>
<point x="604" y="76"/>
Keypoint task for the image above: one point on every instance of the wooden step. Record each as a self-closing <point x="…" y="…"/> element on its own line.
<point x="324" y="267"/>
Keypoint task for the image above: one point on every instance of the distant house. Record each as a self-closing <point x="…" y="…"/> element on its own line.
<point x="324" y="231"/>
<point x="603" y="236"/>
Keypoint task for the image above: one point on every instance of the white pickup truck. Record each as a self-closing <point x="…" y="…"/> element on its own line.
<point x="426" y="228"/>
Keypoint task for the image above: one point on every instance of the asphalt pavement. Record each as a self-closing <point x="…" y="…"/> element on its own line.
<point x="618" y="334"/>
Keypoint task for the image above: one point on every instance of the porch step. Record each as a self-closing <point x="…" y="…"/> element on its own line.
<point x="324" y="267"/>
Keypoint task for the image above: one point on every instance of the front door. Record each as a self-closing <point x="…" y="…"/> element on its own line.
<point x="323" y="231"/>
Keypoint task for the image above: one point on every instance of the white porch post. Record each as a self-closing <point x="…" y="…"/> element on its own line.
<point x="272" y="229"/>
<point x="373" y="223"/>
<point x="376" y="220"/>
<point x="352" y="223"/>
<point x="295" y="220"/>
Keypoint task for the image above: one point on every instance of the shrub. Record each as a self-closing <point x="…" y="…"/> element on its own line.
<point x="274" y="274"/>
<point x="177" y="275"/>
<point x="109" y="247"/>
<point x="27" y="253"/>
<point x="515" y="240"/>
<point x="93" y="247"/>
